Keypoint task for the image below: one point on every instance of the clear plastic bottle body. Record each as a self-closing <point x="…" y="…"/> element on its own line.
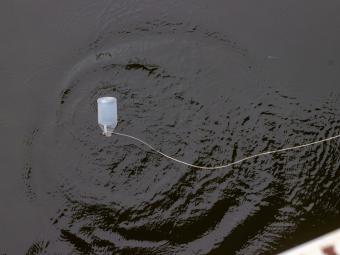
<point x="107" y="114"/>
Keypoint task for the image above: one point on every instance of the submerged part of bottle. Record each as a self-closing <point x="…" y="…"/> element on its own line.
<point x="107" y="114"/>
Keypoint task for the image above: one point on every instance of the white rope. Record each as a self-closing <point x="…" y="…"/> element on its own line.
<point x="232" y="163"/>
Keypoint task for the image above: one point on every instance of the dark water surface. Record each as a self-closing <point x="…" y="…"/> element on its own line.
<point x="208" y="82"/>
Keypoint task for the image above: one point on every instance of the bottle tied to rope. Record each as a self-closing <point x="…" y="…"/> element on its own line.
<point x="107" y="114"/>
<point x="107" y="120"/>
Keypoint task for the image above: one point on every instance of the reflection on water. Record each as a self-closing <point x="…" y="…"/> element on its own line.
<point x="199" y="96"/>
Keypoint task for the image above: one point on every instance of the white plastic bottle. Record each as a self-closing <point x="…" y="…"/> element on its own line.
<point x="107" y="114"/>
